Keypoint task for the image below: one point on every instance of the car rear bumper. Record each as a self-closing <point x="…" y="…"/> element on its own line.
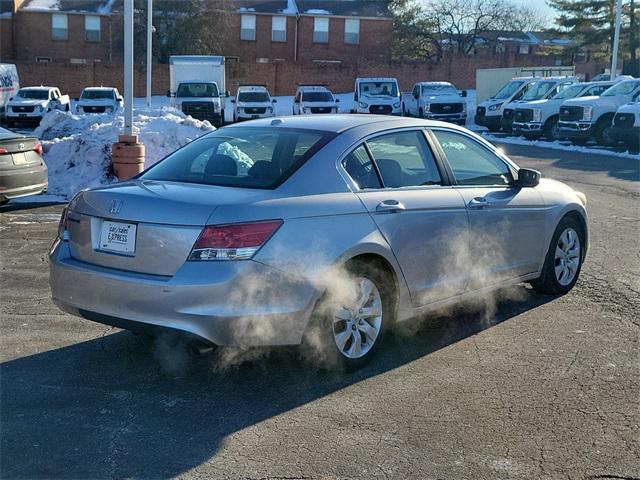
<point x="20" y="182"/>
<point x="227" y="303"/>
<point x="576" y="130"/>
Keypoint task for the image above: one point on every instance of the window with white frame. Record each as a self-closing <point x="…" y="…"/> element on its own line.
<point x="320" y="30"/>
<point x="278" y="29"/>
<point x="92" y="28"/>
<point x="352" y="31"/>
<point x="248" y="27"/>
<point x="524" y="49"/>
<point x="59" y="26"/>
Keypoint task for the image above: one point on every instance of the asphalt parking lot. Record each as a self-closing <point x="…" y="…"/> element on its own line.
<point x="526" y="387"/>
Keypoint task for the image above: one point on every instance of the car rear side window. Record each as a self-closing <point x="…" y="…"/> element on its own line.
<point x="404" y="159"/>
<point x="240" y="157"/>
<point x="361" y="170"/>
<point x="471" y="162"/>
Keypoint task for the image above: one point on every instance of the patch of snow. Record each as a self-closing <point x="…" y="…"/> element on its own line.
<point x="106" y="8"/>
<point x="41" y="199"/>
<point x="77" y="149"/>
<point x="35" y="5"/>
<point x="292" y="8"/>
<point x="246" y="9"/>
<point x="317" y="11"/>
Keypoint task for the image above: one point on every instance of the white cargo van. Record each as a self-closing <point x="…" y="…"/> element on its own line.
<point x="377" y="95"/>
<point x="9" y="85"/>
<point x="197" y="86"/>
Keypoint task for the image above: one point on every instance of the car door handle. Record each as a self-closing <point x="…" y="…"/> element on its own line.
<point x="390" y="206"/>
<point x="479" y="202"/>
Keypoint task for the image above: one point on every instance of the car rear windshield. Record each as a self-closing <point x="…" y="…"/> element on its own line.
<point x="197" y="90"/>
<point x="317" y="97"/>
<point x="247" y="157"/>
<point x="508" y="90"/>
<point x="253" y="97"/>
<point x="97" y="94"/>
<point x="33" y="94"/>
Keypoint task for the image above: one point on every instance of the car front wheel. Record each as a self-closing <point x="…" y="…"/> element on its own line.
<point x="564" y="259"/>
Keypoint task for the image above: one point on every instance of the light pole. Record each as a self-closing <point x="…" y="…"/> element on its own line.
<point x="127" y="155"/>
<point x="616" y="40"/>
<point x="149" y="49"/>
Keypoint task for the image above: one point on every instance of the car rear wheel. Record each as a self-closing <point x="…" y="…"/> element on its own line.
<point x="353" y="319"/>
<point x="564" y="259"/>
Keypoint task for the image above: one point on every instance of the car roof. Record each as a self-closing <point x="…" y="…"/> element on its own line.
<point x="338" y="123"/>
<point x="100" y="88"/>
<point x="313" y="88"/>
<point x="436" y="83"/>
<point x="376" y="79"/>
<point x="41" y="87"/>
<point x="252" y="88"/>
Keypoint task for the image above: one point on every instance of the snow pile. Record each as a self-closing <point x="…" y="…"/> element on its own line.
<point x="77" y="149"/>
<point x="42" y="5"/>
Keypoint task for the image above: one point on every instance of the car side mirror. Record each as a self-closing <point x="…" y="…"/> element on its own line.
<point x="227" y="93"/>
<point x="169" y="93"/>
<point x="337" y="100"/>
<point x="463" y="94"/>
<point x="273" y="100"/>
<point x="11" y="99"/>
<point x="233" y="100"/>
<point x="76" y="99"/>
<point x="120" y="99"/>
<point x="296" y="101"/>
<point x="528" y="177"/>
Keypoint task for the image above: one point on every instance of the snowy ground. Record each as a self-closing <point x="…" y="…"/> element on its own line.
<point x="77" y="148"/>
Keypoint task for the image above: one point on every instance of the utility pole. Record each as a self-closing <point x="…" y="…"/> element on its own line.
<point x="616" y="40"/>
<point x="149" y="49"/>
<point x="127" y="155"/>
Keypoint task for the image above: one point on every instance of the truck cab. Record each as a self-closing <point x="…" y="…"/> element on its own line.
<point x="30" y="104"/>
<point x="252" y="101"/>
<point x="377" y="95"/>
<point x="585" y="118"/>
<point x="489" y="112"/>
<point x="539" y="118"/>
<point x="197" y="86"/>
<point x="99" y="100"/>
<point x="436" y="101"/>
<point x="313" y="99"/>
<point x="540" y="89"/>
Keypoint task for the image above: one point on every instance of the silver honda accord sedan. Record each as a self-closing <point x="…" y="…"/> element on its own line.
<point x="324" y="230"/>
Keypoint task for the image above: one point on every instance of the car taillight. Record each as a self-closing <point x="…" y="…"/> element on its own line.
<point x="238" y="241"/>
<point x="38" y="149"/>
<point x="3" y="151"/>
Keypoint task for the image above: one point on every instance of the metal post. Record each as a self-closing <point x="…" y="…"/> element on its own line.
<point x="149" y="49"/>
<point x="128" y="67"/>
<point x="616" y="40"/>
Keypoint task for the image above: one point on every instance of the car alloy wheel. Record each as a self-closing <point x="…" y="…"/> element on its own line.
<point x="567" y="256"/>
<point x="356" y="324"/>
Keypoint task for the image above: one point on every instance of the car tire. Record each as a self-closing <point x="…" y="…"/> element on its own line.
<point x="564" y="258"/>
<point x="340" y="335"/>
<point x="551" y="130"/>
<point x="601" y="133"/>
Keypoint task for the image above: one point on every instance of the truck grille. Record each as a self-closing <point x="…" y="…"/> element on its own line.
<point x="523" y="115"/>
<point x="255" y="110"/>
<point x="445" y="108"/>
<point x="321" y="109"/>
<point x="199" y="110"/>
<point x="623" y="120"/>
<point x="380" y="109"/>
<point x="481" y="111"/>
<point x="570" y="114"/>
<point x="94" y="108"/>
<point x="22" y="109"/>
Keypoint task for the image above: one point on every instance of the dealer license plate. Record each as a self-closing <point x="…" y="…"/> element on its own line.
<point x="118" y="237"/>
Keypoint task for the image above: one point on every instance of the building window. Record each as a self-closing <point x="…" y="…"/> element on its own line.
<point x="320" y="30"/>
<point x="278" y="29"/>
<point x="59" y="27"/>
<point x="248" y="27"/>
<point x="524" y="49"/>
<point x="352" y="32"/>
<point x="92" y="28"/>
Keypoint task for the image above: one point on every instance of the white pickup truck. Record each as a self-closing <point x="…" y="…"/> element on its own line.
<point x="539" y="118"/>
<point x="585" y="118"/>
<point x="489" y="112"/>
<point x="626" y="126"/>
<point x="377" y="95"/>
<point x="436" y="101"/>
<point x="99" y="100"/>
<point x="30" y="104"/>
<point x="253" y="101"/>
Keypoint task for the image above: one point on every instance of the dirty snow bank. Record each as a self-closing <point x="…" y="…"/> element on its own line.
<point x="77" y="149"/>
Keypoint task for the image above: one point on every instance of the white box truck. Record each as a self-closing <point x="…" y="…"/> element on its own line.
<point x="197" y="86"/>
<point x="9" y="85"/>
